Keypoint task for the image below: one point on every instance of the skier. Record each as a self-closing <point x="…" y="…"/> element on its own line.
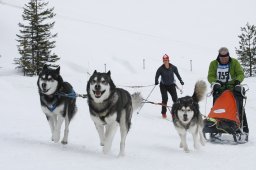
<point x="167" y="84"/>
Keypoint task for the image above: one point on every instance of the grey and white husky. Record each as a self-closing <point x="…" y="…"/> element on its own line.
<point x="110" y="107"/>
<point x="187" y="117"/>
<point x="58" y="101"/>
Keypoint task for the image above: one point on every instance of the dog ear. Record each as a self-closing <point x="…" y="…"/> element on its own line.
<point x="95" y="71"/>
<point x="45" y="67"/>
<point x="58" y="70"/>
<point x="109" y="73"/>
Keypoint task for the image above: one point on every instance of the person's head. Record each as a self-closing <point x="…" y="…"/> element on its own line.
<point x="165" y="59"/>
<point x="223" y="55"/>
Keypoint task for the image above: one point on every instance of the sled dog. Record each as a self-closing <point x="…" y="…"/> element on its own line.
<point x="58" y="101"/>
<point x="109" y="108"/>
<point x="187" y="117"/>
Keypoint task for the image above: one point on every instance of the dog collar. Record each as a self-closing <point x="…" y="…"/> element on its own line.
<point x="52" y="107"/>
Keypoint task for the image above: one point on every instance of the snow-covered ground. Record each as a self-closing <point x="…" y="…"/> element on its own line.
<point x="119" y="35"/>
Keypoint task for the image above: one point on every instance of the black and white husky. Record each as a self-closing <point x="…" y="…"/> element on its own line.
<point x="110" y="107"/>
<point x="187" y="117"/>
<point x="58" y="101"/>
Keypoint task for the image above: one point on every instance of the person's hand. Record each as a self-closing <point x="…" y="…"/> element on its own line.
<point x="236" y="82"/>
<point x="181" y="82"/>
<point x="216" y="87"/>
<point x="220" y="82"/>
<point x="156" y="83"/>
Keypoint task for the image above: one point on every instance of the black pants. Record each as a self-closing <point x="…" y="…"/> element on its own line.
<point x="172" y="91"/>
<point x="239" y="102"/>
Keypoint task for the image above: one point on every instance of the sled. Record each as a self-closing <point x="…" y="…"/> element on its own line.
<point x="224" y="123"/>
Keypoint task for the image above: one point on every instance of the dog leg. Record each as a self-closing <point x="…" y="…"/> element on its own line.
<point x="184" y="142"/>
<point x="124" y="132"/>
<point x="56" y="133"/>
<point x="100" y="129"/>
<point x="109" y="135"/>
<point x="201" y="135"/>
<point x="51" y="123"/>
<point x="196" y="140"/>
<point x="195" y="133"/>
<point x="66" y="131"/>
<point x="99" y="124"/>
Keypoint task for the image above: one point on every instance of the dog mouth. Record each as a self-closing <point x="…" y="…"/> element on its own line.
<point x="45" y="90"/>
<point x="98" y="93"/>
<point x="185" y="119"/>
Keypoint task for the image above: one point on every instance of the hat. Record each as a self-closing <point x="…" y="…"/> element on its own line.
<point x="223" y="51"/>
<point x="165" y="57"/>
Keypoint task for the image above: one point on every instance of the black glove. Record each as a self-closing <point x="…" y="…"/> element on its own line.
<point x="216" y="87"/>
<point x="156" y="83"/>
<point x="236" y="82"/>
<point x="181" y="82"/>
<point x="220" y="82"/>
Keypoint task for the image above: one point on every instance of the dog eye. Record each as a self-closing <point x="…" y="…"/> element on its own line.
<point x="93" y="81"/>
<point x="103" y="81"/>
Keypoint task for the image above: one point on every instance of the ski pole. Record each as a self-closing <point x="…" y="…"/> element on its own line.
<point x="146" y="99"/>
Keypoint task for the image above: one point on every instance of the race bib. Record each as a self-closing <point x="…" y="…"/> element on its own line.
<point x="223" y="73"/>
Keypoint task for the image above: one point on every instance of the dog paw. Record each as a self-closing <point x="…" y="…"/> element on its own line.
<point x="56" y="138"/>
<point x="64" y="142"/>
<point x="106" y="150"/>
<point x="202" y="141"/>
<point x="197" y="147"/>
<point x="181" y="146"/>
<point x="187" y="150"/>
<point x="121" y="154"/>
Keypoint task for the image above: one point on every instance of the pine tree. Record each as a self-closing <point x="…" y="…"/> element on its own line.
<point x="35" y="38"/>
<point x="247" y="49"/>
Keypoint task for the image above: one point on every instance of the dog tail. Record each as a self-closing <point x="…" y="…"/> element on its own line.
<point x="136" y="100"/>
<point x="199" y="91"/>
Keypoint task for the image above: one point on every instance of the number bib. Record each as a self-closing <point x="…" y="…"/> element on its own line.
<point x="223" y="73"/>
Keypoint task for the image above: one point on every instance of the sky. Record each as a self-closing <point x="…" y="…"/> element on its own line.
<point x="118" y="35"/>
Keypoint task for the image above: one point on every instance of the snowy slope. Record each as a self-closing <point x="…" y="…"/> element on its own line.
<point x="120" y="35"/>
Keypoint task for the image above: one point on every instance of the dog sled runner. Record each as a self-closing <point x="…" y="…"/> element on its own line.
<point x="227" y="118"/>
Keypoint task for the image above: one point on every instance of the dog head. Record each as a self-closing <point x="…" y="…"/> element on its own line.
<point x="49" y="80"/>
<point x="100" y="86"/>
<point x="185" y="109"/>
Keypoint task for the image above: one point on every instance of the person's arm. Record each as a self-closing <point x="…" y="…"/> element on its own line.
<point x="212" y="75"/>
<point x="176" y="72"/>
<point x="239" y="72"/>
<point x="157" y="76"/>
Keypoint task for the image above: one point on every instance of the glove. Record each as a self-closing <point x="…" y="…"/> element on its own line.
<point x="181" y="82"/>
<point x="216" y="87"/>
<point x="220" y="82"/>
<point x="236" y="82"/>
<point x="156" y="83"/>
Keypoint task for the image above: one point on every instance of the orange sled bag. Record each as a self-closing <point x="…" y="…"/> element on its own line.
<point x="224" y="116"/>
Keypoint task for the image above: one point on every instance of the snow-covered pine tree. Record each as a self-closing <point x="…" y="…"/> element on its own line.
<point x="35" y="38"/>
<point x="247" y="49"/>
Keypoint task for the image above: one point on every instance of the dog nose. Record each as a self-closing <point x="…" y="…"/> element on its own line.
<point x="44" y="85"/>
<point x="97" y="87"/>
<point x="185" y="116"/>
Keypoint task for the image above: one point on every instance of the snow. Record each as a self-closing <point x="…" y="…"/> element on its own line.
<point x="119" y="35"/>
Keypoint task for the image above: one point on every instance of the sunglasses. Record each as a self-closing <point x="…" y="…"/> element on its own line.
<point x="223" y="56"/>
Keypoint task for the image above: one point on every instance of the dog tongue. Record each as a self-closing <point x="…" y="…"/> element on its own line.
<point x="98" y="93"/>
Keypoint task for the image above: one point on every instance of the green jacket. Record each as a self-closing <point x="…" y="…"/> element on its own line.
<point x="236" y="71"/>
